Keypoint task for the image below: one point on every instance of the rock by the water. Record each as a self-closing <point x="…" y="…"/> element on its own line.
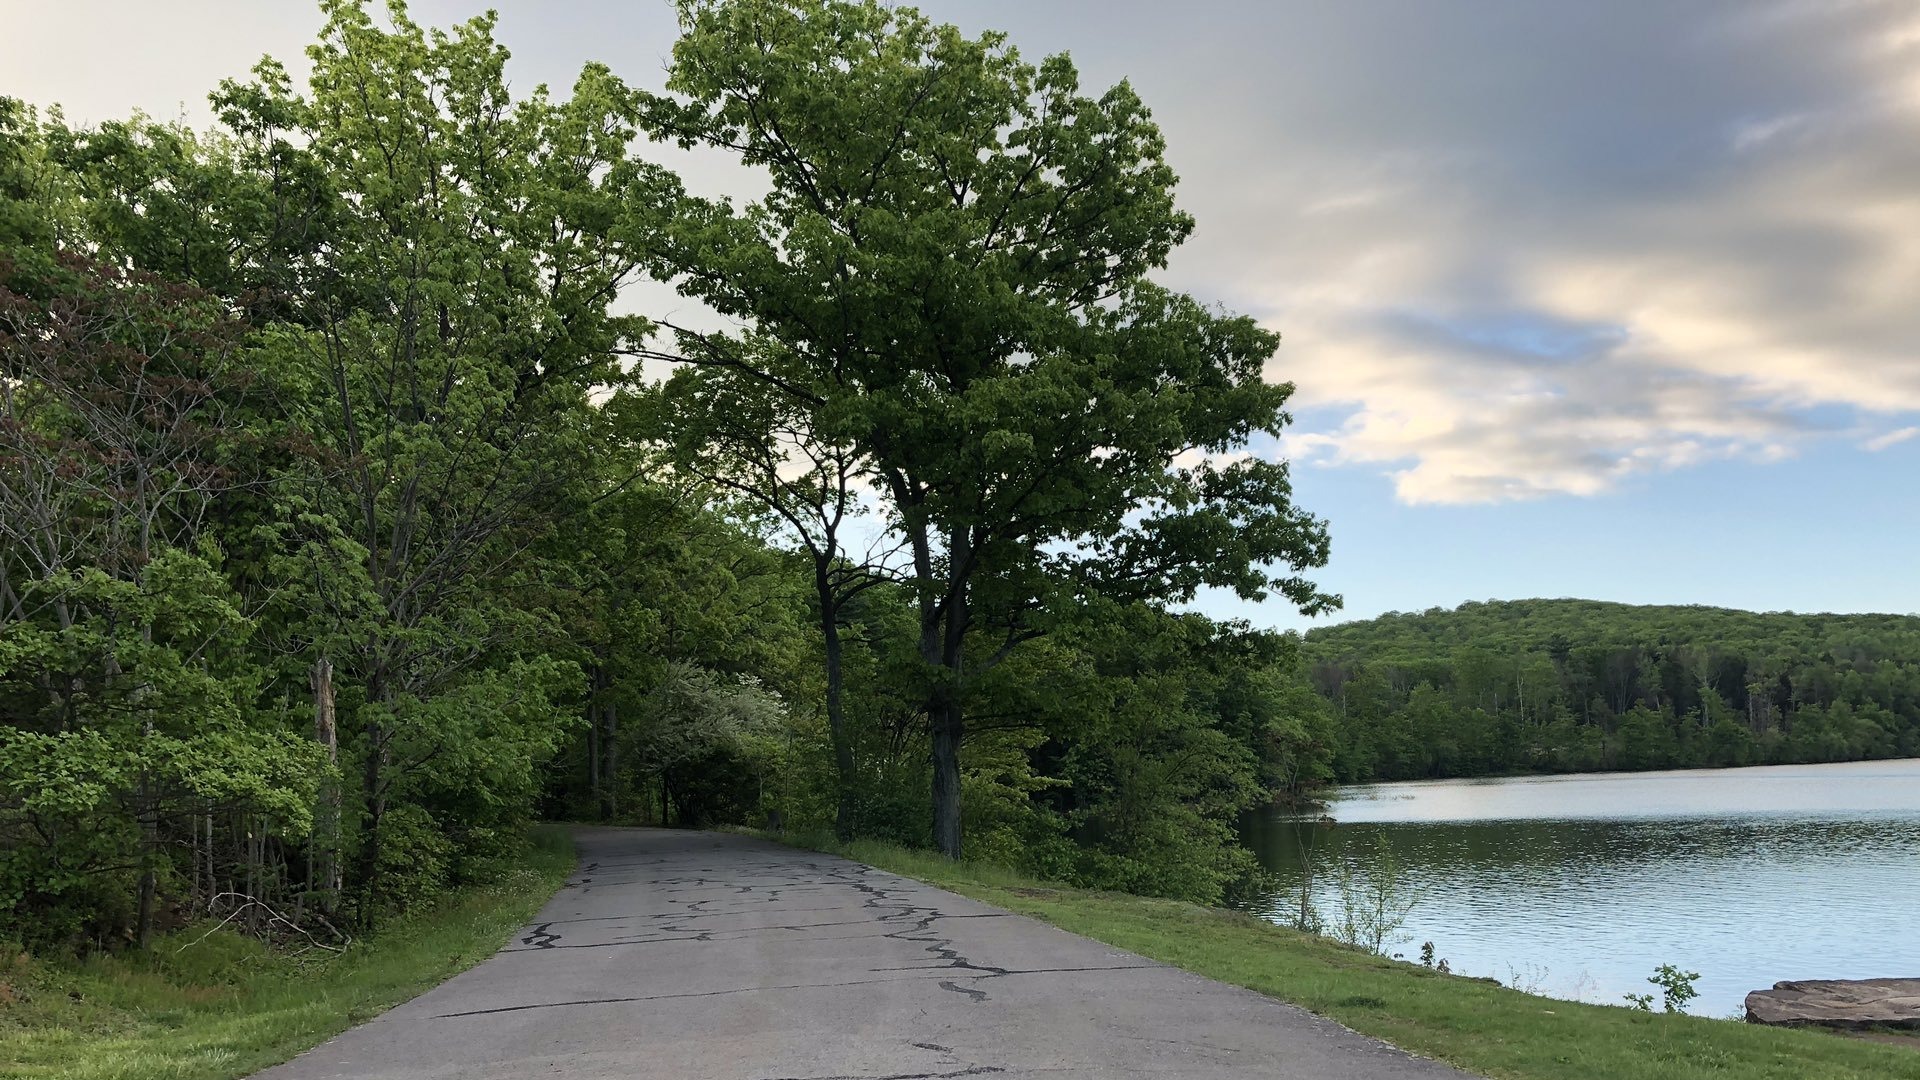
<point x="1839" y="1003"/>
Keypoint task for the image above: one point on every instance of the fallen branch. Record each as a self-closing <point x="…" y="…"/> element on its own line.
<point x="273" y="918"/>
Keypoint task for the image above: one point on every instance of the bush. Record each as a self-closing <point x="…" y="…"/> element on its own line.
<point x="415" y="858"/>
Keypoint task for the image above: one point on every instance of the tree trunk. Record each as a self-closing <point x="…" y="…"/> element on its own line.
<point x="836" y="708"/>
<point x="143" y="926"/>
<point x="373" y="792"/>
<point x="325" y="875"/>
<point x="945" y="717"/>
<point x="370" y="817"/>
<point x="610" y="779"/>
<point x="149" y="852"/>
<point x="946" y="779"/>
<point x="254" y="883"/>
<point x="146" y="813"/>
<point x="596" y="685"/>
<point x="212" y="867"/>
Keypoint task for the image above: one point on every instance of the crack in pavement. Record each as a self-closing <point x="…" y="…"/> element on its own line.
<point x="658" y="997"/>
<point x="970" y="1071"/>
<point x="680" y="934"/>
<point x="944" y="985"/>
<point x="749" y="964"/>
<point x="923" y="919"/>
<point x="886" y="896"/>
<point x="736" y="914"/>
<point x="973" y="994"/>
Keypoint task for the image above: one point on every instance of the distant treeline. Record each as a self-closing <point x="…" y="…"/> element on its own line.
<point x="1577" y="685"/>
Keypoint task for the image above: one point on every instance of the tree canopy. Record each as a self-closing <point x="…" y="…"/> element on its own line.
<point x="948" y="281"/>
<point x="343" y="535"/>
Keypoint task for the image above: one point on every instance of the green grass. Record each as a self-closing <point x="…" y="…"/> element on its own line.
<point x="226" y="1006"/>
<point x="1473" y="1024"/>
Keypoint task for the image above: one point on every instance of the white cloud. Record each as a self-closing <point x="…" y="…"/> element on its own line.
<point x="1891" y="438"/>
<point x="1755" y="133"/>
<point x="1722" y="263"/>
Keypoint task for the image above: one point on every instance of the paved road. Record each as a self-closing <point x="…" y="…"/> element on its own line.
<point x="701" y="956"/>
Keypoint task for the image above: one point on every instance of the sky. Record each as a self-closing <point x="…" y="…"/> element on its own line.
<point x="1618" y="301"/>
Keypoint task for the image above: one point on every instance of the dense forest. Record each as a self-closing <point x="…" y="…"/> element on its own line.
<point x="350" y="519"/>
<point x="1534" y="686"/>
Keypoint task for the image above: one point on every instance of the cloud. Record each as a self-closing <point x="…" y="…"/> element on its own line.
<point x="1516" y="250"/>
<point x="1891" y="438"/>
<point x="1752" y="134"/>
<point x="1517" y="256"/>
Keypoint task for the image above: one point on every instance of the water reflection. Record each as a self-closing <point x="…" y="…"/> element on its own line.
<point x="1581" y="886"/>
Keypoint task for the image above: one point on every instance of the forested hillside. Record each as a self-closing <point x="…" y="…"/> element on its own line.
<point x="1574" y="685"/>
<point x="340" y="535"/>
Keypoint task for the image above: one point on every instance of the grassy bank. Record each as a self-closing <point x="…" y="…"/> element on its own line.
<point x="226" y="1006"/>
<point x="1475" y="1025"/>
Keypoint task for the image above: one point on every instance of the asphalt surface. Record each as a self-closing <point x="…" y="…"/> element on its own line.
<point x="703" y="956"/>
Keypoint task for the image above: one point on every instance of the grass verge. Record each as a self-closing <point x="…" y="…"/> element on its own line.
<point x="226" y="1006"/>
<point x="1473" y="1024"/>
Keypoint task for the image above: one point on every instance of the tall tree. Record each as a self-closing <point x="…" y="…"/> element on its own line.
<point x="749" y="438"/>
<point x="952" y="260"/>
<point x="459" y="319"/>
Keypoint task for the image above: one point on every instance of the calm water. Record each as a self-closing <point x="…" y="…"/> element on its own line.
<point x="1579" y="886"/>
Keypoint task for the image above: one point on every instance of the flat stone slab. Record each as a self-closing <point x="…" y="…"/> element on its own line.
<point x="1838" y="1003"/>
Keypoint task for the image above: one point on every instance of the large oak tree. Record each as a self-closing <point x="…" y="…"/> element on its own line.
<point x="950" y="273"/>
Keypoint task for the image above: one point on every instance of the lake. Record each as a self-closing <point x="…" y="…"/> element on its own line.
<point x="1580" y="886"/>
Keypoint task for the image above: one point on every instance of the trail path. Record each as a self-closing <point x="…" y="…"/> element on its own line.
<point x="703" y="956"/>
